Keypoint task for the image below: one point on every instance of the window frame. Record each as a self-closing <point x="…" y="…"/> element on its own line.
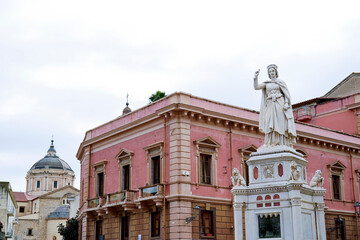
<point x="337" y="169"/>
<point x="152" y="151"/>
<point x="124" y="158"/>
<point x="126" y="217"/>
<point x="55" y="184"/>
<point x="99" y="229"/>
<point x="340" y="228"/>
<point x="23" y="208"/>
<point x="207" y="146"/>
<point x="98" y="168"/>
<point x="30" y="232"/>
<point x="245" y="155"/>
<point x="159" y="218"/>
<point x="212" y="213"/>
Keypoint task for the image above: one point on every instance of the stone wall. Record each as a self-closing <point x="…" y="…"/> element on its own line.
<point x="350" y="226"/>
<point x="223" y="220"/>
<point x="22" y="229"/>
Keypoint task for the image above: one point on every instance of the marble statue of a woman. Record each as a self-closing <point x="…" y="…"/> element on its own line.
<point x="276" y="119"/>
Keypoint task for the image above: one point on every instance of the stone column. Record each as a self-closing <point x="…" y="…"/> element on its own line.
<point x="84" y="228"/>
<point x="320" y="220"/>
<point x="180" y="184"/>
<point x="238" y="220"/>
<point x="296" y="218"/>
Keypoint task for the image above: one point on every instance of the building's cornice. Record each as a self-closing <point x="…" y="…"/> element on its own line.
<point x="326" y="139"/>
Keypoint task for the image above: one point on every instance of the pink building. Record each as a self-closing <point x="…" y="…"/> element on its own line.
<point x="163" y="171"/>
<point x="338" y="109"/>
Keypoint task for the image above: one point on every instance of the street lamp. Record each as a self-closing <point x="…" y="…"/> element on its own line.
<point x="189" y="219"/>
<point x="357" y="208"/>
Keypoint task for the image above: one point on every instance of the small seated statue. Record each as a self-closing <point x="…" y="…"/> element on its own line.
<point x="237" y="179"/>
<point x="317" y="179"/>
<point x="295" y="173"/>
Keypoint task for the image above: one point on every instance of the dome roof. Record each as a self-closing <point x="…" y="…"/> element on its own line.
<point x="126" y="109"/>
<point x="51" y="161"/>
<point x="60" y="212"/>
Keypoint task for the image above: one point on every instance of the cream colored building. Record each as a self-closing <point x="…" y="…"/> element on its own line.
<point x="7" y="210"/>
<point x="46" y="202"/>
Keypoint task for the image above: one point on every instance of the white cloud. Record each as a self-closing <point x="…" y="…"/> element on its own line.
<point x="17" y="105"/>
<point x="72" y="60"/>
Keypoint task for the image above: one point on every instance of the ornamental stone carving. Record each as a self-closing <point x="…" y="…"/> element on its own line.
<point x="237" y="179"/>
<point x="237" y="206"/>
<point x="317" y="179"/>
<point x="295" y="173"/>
<point x="269" y="171"/>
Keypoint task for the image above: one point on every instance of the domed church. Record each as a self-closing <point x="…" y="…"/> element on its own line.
<point x="48" y="174"/>
<point x="46" y="202"/>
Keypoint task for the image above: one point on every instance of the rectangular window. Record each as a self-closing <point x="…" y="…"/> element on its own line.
<point x="155" y="224"/>
<point x="269" y="227"/>
<point x="336" y="187"/>
<point x="126" y="177"/>
<point x="340" y="228"/>
<point x="99" y="230"/>
<point x="55" y="184"/>
<point x="29" y="232"/>
<point x="38" y="184"/>
<point x="100" y="184"/>
<point x="155" y="170"/>
<point x="22" y="209"/>
<point x="125" y="224"/>
<point x="205" y="168"/>
<point x="207" y="223"/>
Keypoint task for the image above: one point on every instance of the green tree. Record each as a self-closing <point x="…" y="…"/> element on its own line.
<point x="70" y="231"/>
<point x="156" y="96"/>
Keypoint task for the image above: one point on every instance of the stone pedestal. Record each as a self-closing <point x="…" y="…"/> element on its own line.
<point x="278" y="203"/>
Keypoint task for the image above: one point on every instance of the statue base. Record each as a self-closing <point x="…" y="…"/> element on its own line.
<point x="278" y="203"/>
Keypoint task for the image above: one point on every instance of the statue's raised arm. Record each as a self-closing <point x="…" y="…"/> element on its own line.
<point x="256" y="84"/>
<point x="276" y="119"/>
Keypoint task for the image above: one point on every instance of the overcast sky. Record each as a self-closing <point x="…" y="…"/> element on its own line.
<point x="66" y="66"/>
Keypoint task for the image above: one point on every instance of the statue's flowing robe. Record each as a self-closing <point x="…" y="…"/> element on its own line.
<point x="273" y="117"/>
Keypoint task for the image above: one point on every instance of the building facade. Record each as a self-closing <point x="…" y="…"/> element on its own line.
<point x="8" y="207"/>
<point x="163" y="171"/>
<point x="46" y="202"/>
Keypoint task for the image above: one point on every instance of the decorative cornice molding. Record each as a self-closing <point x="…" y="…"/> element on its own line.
<point x="225" y="120"/>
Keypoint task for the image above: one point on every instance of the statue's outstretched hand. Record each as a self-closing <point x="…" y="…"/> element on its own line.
<point x="257" y="74"/>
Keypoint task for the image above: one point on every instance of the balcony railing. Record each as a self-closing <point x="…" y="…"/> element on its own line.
<point x="96" y="202"/>
<point x="123" y="196"/>
<point x="150" y="191"/>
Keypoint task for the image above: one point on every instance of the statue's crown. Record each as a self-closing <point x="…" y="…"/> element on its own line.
<point x="272" y="66"/>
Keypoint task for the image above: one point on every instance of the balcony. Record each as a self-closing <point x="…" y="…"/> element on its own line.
<point x="10" y="211"/>
<point x="303" y="114"/>
<point x="124" y="199"/>
<point x="153" y="193"/>
<point x="96" y="202"/>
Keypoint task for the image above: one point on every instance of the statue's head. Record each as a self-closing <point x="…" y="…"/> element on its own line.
<point x="235" y="172"/>
<point x="318" y="173"/>
<point x="272" y="71"/>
